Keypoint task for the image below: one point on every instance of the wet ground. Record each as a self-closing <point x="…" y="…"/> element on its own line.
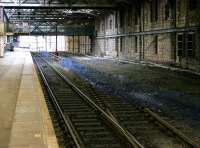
<point x="174" y="93"/>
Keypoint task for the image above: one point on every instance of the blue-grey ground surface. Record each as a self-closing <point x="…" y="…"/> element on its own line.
<point x="175" y="93"/>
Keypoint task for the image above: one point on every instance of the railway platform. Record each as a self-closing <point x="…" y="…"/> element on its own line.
<point x="24" y="118"/>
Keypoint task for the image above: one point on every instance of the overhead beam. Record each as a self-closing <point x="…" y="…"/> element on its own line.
<point x="51" y="20"/>
<point x="50" y="16"/>
<point x="57" y="6"/>
<point x="70" y="31"/>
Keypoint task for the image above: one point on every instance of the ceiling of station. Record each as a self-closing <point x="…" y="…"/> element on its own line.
<point x="58" y="9"/>
<point x="40" y="13"/>
<point x="49" y="15"/>
<point x="67" y="3"/>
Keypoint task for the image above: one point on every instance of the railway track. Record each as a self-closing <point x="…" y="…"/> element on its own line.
<point x="180" y="115"/>
<point x="142" y="126"/>
<point x="88" y="125"/>
<point x="63" y="136"/>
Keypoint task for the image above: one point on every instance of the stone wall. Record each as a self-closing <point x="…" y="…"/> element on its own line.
<point x="159" y="48"/>
<point x="79" y="44"/>
<point x="149" y="30"/>
<point x="105" y="25"/>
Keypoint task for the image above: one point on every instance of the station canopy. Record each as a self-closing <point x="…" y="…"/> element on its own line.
<point x="48" y="16"/>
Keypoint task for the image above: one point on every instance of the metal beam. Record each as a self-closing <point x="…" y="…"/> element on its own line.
<point x="61" y="21"/>
<point x="70" y="31"/>
<point x="4" y="13"/>
<point x="57" y="6"/>
<point x="26" y="17"/>
<point x="152" y="32"/>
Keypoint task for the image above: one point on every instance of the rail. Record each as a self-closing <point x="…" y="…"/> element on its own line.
<point x="124" y="134"/>
<point x="66" y="119"/>
<point x="156" y="117"/>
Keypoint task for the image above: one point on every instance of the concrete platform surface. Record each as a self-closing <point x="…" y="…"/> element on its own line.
<point x="10" y="76"/>
<point x="24" y="117"/>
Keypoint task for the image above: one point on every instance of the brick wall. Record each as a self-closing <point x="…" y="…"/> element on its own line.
<point x="164" y="52"/>
<point x="140" y="32"/>
<point x="78" y="44"/>
<point x="106" y="26"/>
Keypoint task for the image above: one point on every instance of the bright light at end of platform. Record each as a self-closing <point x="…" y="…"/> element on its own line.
<point x="42" y="43"/>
